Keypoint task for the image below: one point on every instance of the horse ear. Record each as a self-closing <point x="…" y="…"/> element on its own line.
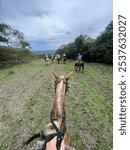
<point x="56" y="75"/>
<point x="67" y="77"/>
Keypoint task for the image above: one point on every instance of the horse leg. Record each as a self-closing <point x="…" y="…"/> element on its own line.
<point x="75" y="68"/>
<point x="65" y="61"/>
<point x="79" y="68"/>
<point x="82" y="68"/>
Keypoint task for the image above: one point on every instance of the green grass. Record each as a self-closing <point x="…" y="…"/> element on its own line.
<point x="27" y="93"/>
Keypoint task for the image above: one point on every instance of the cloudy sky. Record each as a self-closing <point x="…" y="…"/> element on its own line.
<point x="47" y="24"/>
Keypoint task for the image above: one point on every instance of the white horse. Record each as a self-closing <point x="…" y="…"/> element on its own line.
<point x="47" y="61"/>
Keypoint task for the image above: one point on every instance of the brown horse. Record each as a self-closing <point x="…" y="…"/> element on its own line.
<point x="79" y="66"/>
<point x="58" y="110"/>
<point x="57" y="127"/>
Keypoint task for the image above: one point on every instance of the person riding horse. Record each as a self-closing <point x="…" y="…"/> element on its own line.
<point x="58" y="58"/>
<point x="64" y="58"/>
<point x="79" y="63"/>
<point x="52" y="57"/>
<point x="79" y="58"/>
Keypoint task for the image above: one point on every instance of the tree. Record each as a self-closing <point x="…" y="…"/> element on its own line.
<point x="79" y="43"/>
<point x="103" y="46"/>
<point x="3" y="39"/>
<point x="87" y="47"/>
<point x="13" y="37"/>
<point x="5" y="31"/>
<point x="96" y="50"/>
<point x="25" y="44"/>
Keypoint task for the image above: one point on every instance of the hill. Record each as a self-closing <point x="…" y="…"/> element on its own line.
<point x="43" y="52"/>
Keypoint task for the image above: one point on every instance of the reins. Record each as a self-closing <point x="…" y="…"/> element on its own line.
<point x="59" y="133"/>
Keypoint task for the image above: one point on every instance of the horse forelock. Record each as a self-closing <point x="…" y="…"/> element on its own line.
<point x="61" y="77"/>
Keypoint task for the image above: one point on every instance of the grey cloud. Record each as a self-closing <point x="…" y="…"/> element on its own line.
<point x="68" y="32"/>
<point x="35" y="13"/>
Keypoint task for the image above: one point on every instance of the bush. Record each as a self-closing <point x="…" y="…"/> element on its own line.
<point x="12" y="56"/>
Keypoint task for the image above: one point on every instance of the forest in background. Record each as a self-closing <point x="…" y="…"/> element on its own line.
<point x="93" y="50"/>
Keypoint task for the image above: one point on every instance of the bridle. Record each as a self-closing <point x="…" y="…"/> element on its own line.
<point x="64" y="81"/>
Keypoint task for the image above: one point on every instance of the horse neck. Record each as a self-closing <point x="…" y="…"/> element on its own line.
<point x="58" y="106"/>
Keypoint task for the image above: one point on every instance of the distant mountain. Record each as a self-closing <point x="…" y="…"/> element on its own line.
<point x="44" y="52"/>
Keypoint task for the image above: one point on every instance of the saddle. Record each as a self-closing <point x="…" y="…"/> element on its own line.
<point x="79" y="62"/>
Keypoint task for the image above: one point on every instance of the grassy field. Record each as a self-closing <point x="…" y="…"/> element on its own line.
<point x="26" y="96"/>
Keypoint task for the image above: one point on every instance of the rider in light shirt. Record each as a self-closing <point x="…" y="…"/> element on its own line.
<point x="79" y="58"/>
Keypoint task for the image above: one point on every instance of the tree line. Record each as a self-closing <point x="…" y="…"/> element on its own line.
<point x="93" y="50"/>
<point x="14" y="48"/>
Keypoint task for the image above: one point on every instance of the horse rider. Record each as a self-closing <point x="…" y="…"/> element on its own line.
<point x="47" y="58"/>
<point x="79" y="58"/>
<point x="64" y="58"/>
<point x="58" y="58"/>
<point x="64" y="55"/>
<point x="52" y="57"/>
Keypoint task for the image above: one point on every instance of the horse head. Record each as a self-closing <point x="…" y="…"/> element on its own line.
<point x="63" y="79"/>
